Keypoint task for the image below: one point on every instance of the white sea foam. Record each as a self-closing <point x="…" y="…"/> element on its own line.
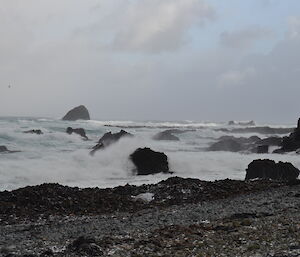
<point x="58" y="157"/>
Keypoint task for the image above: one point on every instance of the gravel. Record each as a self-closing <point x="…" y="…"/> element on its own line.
<point x="263" y="223"/>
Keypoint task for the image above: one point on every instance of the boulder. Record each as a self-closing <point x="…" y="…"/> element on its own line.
<point x="84" y="246"/>
<point x="34" y="131"/>
<point x="79" y="131"/>
<point x="77" y="113"/>
<point x="229" y="144"/>
<point x="268" y="169"/>
<point x="108" y="139"/>
<point x="148" y="161"/>
<point x="166" y="135"/>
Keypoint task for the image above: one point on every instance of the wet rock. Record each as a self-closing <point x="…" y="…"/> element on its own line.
<point x="86" y="246"/>
<point x="108" y="139"/>
<point x="148" y="161"/>
<point x="270" y="141"/>
<point x="259" y="130"/>
<point x="79" y="131"/>
<point x="292" y="142"/>
<point x="268" y="169"/>
<point x="47" y="200"/>
<point x="165" y="135"/>
<point x="262" y="149"/>
<point x="241" y="123"/>
<point x="34" y="131"/>
<point x="77" y="113"/>
<point x="230" y="145"/>
<point x="3" y="149"/>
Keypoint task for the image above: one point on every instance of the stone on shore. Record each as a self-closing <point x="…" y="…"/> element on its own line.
<point x="148" y="161"/>
<point x="268" y="169"/>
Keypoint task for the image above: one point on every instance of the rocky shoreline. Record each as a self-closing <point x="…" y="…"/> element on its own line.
<point x="176" y="217"/>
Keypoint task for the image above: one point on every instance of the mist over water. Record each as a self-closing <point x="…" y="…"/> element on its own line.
<point x="58" y="157"/>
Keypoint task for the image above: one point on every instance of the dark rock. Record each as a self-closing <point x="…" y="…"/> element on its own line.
<point x="108" y="139"/>
<point x="278" y="151"/>
<point x="270" y="141"/>
<point x="3" y="149"/>
<point x="34" y="131"/>
<point x="292" y="142"/>
<point x="148" y="161"/>
<point x="79" y="131"/>
<point x="242" y="123"/>
<point x="259" y="130"/>
<point x="166" y="135"/>
<point x="230" y="145"/>
<point x="85" y="245"/>
<point x="262" y="149"/>
<point x="44" y="201"/>
<point x="78" y="113"/>
<point x="268" y="169"/>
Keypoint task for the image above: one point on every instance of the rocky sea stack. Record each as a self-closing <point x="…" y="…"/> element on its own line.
<point x="77" y="113"/>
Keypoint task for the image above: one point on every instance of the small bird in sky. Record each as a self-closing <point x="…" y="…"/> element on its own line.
<point x="9" y="86"/>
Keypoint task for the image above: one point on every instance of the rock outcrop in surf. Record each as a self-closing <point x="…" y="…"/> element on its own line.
<point x="259" y="130"/>
<point x="292" y="142"/>
<point x="3" y="149"/>
<point x="77" y="113"/>
<point x="148" y="161"/>
<point x="268" y="169"/>
<point x="34" y="131"/>
<point x="79" y="131"/>
<point x="108" y="139"/>
<point x="166" y="135"/>
<point x="253" y="144"/>
<point x="241" y="123"/>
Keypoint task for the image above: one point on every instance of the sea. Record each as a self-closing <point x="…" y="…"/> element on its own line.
<point x="57" y="157"/>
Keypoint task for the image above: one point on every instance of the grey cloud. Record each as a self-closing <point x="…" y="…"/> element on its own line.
<point x="244" y="38"/>
<point x="155" y="25"/>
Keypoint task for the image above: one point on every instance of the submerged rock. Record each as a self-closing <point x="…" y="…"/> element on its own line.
<point x="77" y="113"/>
<point x="259" y="130"/>
<point x="268" y="169"/>
<point x="108" y="139"/>
<point x="3" y="149"/>
<point x="34" y="131"/>
<point x="79" y="131"/>
<point x="271" y="141"/>
<point x="242" y="123"/>
<point x="229" y="144"/>
<point x="262" y="149"/>
<point x="166" y="135"/>
<point x="148" y="161"/>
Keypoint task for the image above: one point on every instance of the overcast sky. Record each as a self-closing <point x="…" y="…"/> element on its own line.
<point x="204" y="60"/>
